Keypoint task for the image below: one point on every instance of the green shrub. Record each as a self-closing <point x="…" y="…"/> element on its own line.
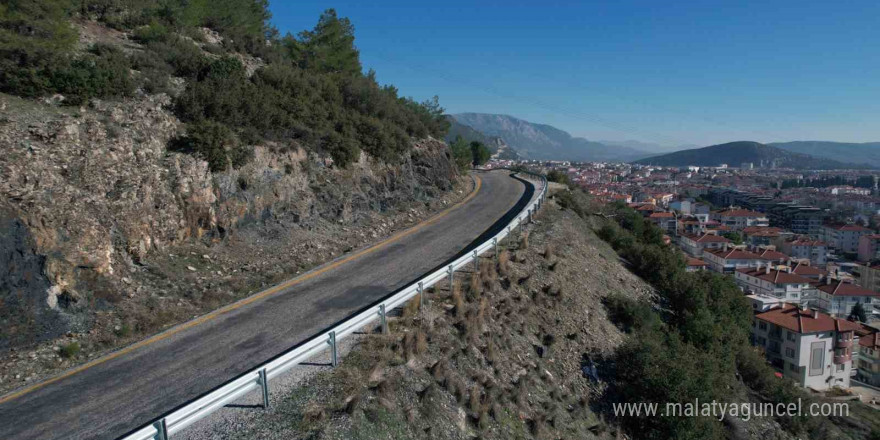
<point x="213" y="142"/>
<point x="70" y="350"/>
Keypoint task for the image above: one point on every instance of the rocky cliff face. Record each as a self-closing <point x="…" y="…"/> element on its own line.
<point x="89" y="196"/>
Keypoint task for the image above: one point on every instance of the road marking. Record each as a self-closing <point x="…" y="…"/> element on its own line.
<point x="478" y="183"/>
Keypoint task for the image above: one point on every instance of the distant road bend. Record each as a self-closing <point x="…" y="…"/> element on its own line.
<point x="129" y="389"/>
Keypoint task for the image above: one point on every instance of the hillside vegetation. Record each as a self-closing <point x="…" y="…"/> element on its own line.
<point x="309" y="87"/>
<point x="735" y="153"/>
<point x="867" y="152"/>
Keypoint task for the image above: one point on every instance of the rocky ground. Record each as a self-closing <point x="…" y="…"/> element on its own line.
<point x="107" y="237"/>
<point x="505" y="355"/>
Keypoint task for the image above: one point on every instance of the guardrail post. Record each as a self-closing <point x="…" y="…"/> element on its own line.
<point x="495" y="243"/>
<point x="509" y="234"/>
<point x="264" y="384"/>
<point x="451" y="276"/>
<point x="530" y="216"/>
<point x="476" y="262"/>
<point x="421" y="290"/>
<point x="334" y="360"/>
<point x="384" y="320"/>
<point x="161" y="429"/>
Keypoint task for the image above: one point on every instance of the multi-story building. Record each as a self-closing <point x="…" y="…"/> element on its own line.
<point x="807" y="346"/>
<point x="739" y="219"/>
<point x="869" y="248"/>
<point x="665" y="220"/>
<point x="799" y="219"/>
<point x="868" y="358"/>
<point x="771" y="256"/>
<point x="729" y="260"/>
<point x="761" y="235"/>
<point x="781" y="285"/>
<point x="807" y="271"/>
<point x="837" y="298"/>
<point x="802" y="248"/>
<point x="694" y="245"/>
<point x="695" y="265"/>
<point x="844" y="238"/>
<point x="867" y="276"/>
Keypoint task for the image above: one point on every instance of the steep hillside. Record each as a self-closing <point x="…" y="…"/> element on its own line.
<point x="160" y="162"/>
<point x="496" y="145"/>
<point x="867" y="153"/>
<point x="735" y="153"/>
<point x="539" y="141"/>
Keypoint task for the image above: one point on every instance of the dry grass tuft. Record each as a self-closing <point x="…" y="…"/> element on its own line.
<point x="421" y="342"/>
<point x="411" y="308"/>
<point x="351" y="403"/>
<point x="474" y="287"/>
<point x="313" y="414"/>
<point x="549" y="251"/>
<point x="524" y="240"/>
<point x="504" y="263"/>
<point x="474" y="402"/>
<point x="458" y="300"/>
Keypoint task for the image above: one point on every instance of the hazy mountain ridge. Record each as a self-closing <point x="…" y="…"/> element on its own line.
<point x="735" y="153"/>
<point x="866" y="152"/>
<point x="542" y="141"/>
<point x="496" y="144"/>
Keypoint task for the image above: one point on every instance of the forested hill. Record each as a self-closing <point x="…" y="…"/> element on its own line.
<point x="736" y="153"/>
<point x="234" y="79"/>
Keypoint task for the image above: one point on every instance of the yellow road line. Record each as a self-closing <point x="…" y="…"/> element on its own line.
<point x="305" y="277"/>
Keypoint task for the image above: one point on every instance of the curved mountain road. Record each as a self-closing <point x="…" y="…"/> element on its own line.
<point x="130" y="388"/>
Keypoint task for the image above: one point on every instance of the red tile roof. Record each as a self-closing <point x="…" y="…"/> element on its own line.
<point x="797" y="320"/>
<point x="839" y="288"/>
<point x="775" y="276"/>
<point x="805" y="270"/>
<point x="734" y="254"/>
<point x="662" y="215"/>
<point x="859" y="228"/>
<point x="806" y="242"/>
<point x="870" y="341"/>
<point x="740" y="213"/>
<point x="773" y="255"/>
<point x="753" y="230"/>
<point x="709" y="238"/>
<point x="694" y="262"/>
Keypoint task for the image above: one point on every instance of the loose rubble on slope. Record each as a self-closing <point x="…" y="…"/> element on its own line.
<point x="508" y="354"/>
<point x="112" y="238"/>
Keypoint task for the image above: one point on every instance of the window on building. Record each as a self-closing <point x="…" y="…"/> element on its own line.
<point x="817" y="358"/>
<point x="762" y="325"/>
<point x="790" y="336"/>
<point x="840" y="367"/>
<point x="789" y="352"/>
<point x="793" y="367"/>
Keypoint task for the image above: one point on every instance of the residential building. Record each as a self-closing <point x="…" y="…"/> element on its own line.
<point x="772" y="256"/>
<point x="869" y="245"/>
<point x="665" y="220"/>
<point x="868" y="358"/>
<point x="807" y="346"/>
<point x="739" y="219"/>
<point x="807" y="271"/>
<point x="867" y="276"/>
<point x="799" y="219"/>
<point x="696" y="265"/>
<point x="760" y="235"/>
<point x="837" y="297"/>
<point x="802" y="248"/>
<point x="844" y="238"/>
<point x="779" y="284"/>
<point x="694" y="245"/>
<point x="730" y="259"/>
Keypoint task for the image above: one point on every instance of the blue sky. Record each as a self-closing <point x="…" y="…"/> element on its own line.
<point x="698" y="72"/>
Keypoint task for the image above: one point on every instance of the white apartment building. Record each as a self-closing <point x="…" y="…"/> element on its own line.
<point x="729" y="260"/>
<point x="807" y="346"/>
<point x="868" y="364"/>
<point x="739" y="219"/>
<point x="814" y="250"/>
<point x="844" y="238"/>
<point x="694" y="245"/>
<point x="837" y="298"/>
<point x="781" y="285"/>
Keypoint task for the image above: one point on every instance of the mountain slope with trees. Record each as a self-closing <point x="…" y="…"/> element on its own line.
<point x="735" y="153"/>
<point x="540" y="141"/>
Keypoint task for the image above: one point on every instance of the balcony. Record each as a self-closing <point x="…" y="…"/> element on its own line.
<point x="843" y="343"/>
<point x="842" y="358"/>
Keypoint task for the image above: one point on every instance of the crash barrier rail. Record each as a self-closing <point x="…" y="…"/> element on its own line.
<point x="259" y="377"/>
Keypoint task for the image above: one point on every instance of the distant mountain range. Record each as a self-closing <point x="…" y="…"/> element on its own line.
<point x="496" y="144"/>
<point x="736" y="153"/>
<point x="865" y="153"/>
<point x="541" y="141"/>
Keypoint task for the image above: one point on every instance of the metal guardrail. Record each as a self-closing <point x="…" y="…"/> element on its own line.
<point x="259" y="377"/>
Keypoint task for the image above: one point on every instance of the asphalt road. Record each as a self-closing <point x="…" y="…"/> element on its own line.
<point x="121" y="394"/>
